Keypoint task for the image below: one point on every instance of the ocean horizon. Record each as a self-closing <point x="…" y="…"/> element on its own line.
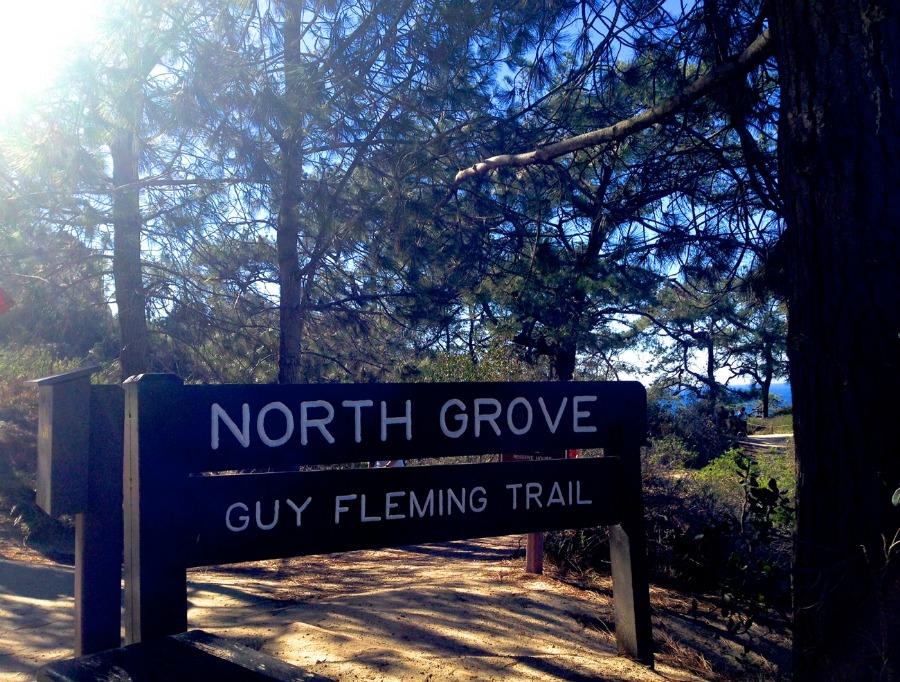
<point x="778" y="389"/>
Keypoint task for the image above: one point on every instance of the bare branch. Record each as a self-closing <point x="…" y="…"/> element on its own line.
<point x="749" y="59"/>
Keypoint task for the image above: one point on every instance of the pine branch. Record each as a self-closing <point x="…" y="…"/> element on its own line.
<point x="755" y="55"/>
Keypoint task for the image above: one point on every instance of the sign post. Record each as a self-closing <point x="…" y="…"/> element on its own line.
<point x="80" y="473"/>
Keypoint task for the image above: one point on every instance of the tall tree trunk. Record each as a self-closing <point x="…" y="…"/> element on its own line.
<point x="839" y="67"/>
<point x="712" y="393"/>
<point x="127" y="271"/>
<point x="765" y="389"/>
<point x="290" y="276"/>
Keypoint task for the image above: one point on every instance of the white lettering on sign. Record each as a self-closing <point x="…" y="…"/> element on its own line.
<point x="365" y="518"/>
<point x="340" y="508"/>
<point x="553" y="424"/>
<point x="487" y="414"/>
<point x="490" y="416"/>
<point x="438" y="502"/>
<point x="237" y="516"/>
<point x="398" y="505"/>
<point x="534" y="495"/>
<point x="299" y="510"/>
<point x="259" y="523"/>
<point x="316" y="423"/>
<point x="406" y="419"/>
<point x="261" y="424"/>
<point x="522" y="430"/>
<point x="357" y="406"/>
<point x="306" y="422"/>
<point x="243" y="519"/>
<point x="389" y="505"/>
<point x="242" y="434"/>
<point x="463" y="418"/>
<point x="577" y="414"/>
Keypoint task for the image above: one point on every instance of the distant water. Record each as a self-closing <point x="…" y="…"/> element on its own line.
<point x="781" y="390"/>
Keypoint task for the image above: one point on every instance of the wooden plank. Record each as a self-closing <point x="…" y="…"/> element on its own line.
<point x="261" y="516"/>
<point x="98" y="531"/>
<point x="186" y="657"/>
<point x="628" y="557"/>
<point x="253" y="427"/>
<point x="155" y="573"/>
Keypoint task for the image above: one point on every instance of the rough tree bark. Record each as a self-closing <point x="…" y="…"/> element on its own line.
<point x="131" y="299"/>
<point x="290" y="276"/>
<point x="839" y="67"/>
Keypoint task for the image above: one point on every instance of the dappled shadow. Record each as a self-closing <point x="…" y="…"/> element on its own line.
<point x="691" y="631"/>
<point x="450" y="611"/>
<point x="441" y="609"/>
<point x="36" y="617"/>
<point x="36" y="582"/>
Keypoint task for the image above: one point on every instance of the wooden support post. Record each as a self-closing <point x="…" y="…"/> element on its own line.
<point x="98" y="531"/>
<point x="80" y="473"/>
<point x="628" y="555"/>
<point x="534" y="553"/>
<point x="154" y="479"/>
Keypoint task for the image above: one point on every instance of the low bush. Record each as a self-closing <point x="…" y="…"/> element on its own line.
<point x="694" y="425"/>
<point x="723" y="529"/>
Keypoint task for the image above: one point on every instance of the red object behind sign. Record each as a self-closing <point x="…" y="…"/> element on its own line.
<point x="6" y="302"/>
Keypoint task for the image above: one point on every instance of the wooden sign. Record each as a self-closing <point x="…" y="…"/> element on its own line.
<point x="180" y="512"/>
<point x="252" y="427"/>
<point x="63" y="441"/>
<point x="264" y="516"/>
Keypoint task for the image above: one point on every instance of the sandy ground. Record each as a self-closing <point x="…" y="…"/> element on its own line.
<point x="455" y="611"/>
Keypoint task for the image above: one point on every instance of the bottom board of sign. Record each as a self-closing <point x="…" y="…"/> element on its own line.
<point x="246" y="517"/>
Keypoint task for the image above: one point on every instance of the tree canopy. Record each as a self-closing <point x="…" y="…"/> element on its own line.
<point x="301" y="190"/>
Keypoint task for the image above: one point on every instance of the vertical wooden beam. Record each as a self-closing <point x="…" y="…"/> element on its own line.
<point x="534" y="553"/>
<point x="98" y="531"/>
<point x="628" y="554"/>
<point x="154" y="477"/>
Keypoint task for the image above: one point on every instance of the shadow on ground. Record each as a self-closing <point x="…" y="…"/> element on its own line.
<point x="36" y="617"/>
<point x="455" y="611"/>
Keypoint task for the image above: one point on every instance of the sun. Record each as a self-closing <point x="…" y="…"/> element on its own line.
<point x="35" y="38"/>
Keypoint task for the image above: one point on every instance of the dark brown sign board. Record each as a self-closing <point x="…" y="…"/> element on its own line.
<point x="265" y="516"/>
<point x="235" y="427"/>
<point x="179" y="512"/>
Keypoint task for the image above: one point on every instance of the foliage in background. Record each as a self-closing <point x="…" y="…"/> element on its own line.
<point x="723" y="528"/>
<point x="691" y="427"/>
<point x="19" y="515"/>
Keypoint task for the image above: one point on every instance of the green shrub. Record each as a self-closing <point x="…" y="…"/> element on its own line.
<point x="724" y="529"/>
<point x="667" y="452"/>
<point x="743" y="548"/>
<point x="694" y="424"/>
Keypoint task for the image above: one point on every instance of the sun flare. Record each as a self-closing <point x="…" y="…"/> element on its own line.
<point x="35" y="38"/>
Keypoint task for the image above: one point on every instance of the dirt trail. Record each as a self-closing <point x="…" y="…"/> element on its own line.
<point x="763" y="443"/>
<point x="454" y="611"/>
<point x="458" y="611"/>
